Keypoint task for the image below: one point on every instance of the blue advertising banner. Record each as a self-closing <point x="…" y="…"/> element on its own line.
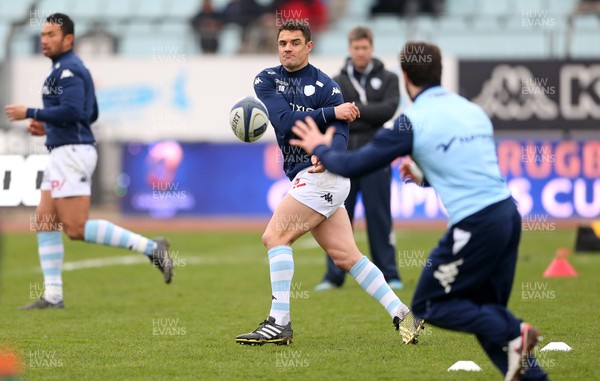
<point x="166" y="179"/>
<point x="554" y="179"/>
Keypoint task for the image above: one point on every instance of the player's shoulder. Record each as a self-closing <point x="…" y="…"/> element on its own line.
<point x="270" y="72"/>
<point x="322" y="76"/>
<point x="70" y="66"/>
<point x="325" y="82"/>
<point x="267" y="75"/>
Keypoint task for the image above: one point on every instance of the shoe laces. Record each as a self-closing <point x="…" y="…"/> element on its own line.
<point x="261" y="325"/>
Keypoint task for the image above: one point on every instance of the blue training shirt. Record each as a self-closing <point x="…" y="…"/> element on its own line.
<point x="450" y="138"/>
<point x="70" y="105"/>
<point x="290" y="96"/>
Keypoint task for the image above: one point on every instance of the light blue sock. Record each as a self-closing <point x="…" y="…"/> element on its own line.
<point x="281" y="266"/>
<point x="106" y="233"/>
<point x="52" y="253"/>
<point x="371" y="279"/>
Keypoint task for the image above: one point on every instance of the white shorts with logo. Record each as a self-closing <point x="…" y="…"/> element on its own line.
<point x="323" y="192"/>
<point x="69" y="172"/>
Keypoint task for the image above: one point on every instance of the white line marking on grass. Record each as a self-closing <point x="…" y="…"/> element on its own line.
<point x="138" y="259"/>
<point x="104" y="262"/>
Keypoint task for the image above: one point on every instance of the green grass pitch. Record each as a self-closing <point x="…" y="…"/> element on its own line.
<point x="122" y="322"/>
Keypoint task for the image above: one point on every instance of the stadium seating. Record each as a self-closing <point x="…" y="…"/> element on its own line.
<point x="460" y="8"/>
<point x="13" y="10"/>
<point x="496" y="28"/>
<point x="115" y="9"/>
<point x="585" y="36"/>
<point x="230" y="39"/>
<point x="183" y="9"/>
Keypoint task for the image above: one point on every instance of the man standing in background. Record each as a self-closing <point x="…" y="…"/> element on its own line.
<point x="375" y="91"/>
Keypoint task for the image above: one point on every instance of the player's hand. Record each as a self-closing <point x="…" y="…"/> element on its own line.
<point x="410" y="172"/>
<point x="15" y="112"/>
<point x="36" y="128"/>
<point x="318" y="166"/>
<point x="348" y="112"/>
<point x="309" y="136"/>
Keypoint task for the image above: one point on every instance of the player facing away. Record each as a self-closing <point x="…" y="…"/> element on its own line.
<point x="292" y="91"/>
<point x="468" y="282"/>
<point x="69" y="109"/>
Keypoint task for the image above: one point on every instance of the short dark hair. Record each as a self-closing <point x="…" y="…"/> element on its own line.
<point x="360" y="33"/>
<point x="300" y="25"/>
<point x="422" y="63"/>
<point x="66" y="24"/>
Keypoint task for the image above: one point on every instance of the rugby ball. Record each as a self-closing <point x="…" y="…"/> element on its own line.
<point x="249" y="119"/>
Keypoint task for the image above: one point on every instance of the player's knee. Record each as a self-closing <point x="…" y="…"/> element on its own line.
<point x="74" y="232"/>
<point x="265" y="239"/>
<point x="271" y="239"/>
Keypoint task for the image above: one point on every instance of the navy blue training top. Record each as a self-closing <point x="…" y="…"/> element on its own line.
<point x="290" y="96"/>
<point x="70" y="105"/>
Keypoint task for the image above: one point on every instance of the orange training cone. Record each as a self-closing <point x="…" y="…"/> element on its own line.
<point x="560" y="266"/>
<point x="10" y="365"/>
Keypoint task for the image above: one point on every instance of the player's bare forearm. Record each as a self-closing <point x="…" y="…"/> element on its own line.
<point x="15" y="112"/>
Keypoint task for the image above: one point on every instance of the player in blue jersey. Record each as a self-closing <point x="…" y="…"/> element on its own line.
<point x="69" y="110"/>
<point x="468" y="282"/>
<point x="292" y="91"/>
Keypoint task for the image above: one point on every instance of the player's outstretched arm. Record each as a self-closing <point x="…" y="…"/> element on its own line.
<point x="309" y="137"/>
<point x="381" y="151"/>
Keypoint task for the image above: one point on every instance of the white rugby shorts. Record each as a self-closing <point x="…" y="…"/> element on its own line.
<point x="69" y="171"/>
<point x="323" y="192"/>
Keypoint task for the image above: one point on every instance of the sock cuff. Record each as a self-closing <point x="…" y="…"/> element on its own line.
<point x="278" y="250"/>
<point x="49" y="238"/>
<point x="359" y="266"/>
